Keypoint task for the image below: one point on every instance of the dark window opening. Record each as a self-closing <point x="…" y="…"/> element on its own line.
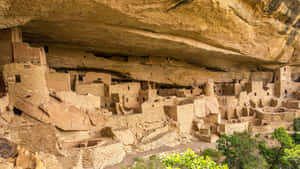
<point x="268" y="93"/>
<point x="285" y="92"/>
<point x="284" y="69"/>
<point x="84" y="56"/>
<point x="254" y="94"/>
<point x="17" y="111"/>
<point x="144" y="99"/>
<point x="127" y="100"/>
<point x="80" y="77"/>
<point x="46" y="49"/>
<point x="128" y="88"/>
<point x="18" y="79"/>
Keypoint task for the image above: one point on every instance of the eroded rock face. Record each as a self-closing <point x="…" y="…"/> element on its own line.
<point x="223" y="34"/>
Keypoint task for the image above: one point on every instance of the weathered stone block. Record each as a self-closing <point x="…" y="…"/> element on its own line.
<point x="183" y="114"/>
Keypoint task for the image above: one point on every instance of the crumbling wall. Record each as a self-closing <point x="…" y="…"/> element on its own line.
<point x="7" y="38"/>
<point x="148" y="95"/>
<point x="58" y="81"/>
<point x="91" y="77"/>
<point x="26" y="81"/>
<point x="12" y="35"/>
<point x="22" y="53"/>
<point x="128" y="92"/>
<point x="228" y="106"/>
<point x="230" y="128"/>
<point x="96" y="89"/>
<point x="183" y="114"/>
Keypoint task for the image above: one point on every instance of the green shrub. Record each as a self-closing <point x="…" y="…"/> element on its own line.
<point x="296" y="138"/>
<point x="187" y="160"/>
<point x="274" y="155"/>
<point x="214" y="154"/>
<point x="293" y="156"/>
<point x="190" y="160"/>
<point x="240" y="151"/>
<point x="297" y="124"/>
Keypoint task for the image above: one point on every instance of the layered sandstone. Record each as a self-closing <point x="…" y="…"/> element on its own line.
<point x="222" y="34"/>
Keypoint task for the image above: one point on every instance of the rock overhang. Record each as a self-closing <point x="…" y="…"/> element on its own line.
<point x="224" y="35"/>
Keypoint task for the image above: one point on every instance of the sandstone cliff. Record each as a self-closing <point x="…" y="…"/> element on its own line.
<point x="222" y="34"/>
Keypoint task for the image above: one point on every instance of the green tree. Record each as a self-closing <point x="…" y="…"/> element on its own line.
<point x="190" y="160"/>
<point x="297" y="124"/>
<point x="293" y="156"/>
<point x="275" y="155"/>
<point x="296" y="138"/>
<point x="240" y="150"/>
<point x="212" y="153"/>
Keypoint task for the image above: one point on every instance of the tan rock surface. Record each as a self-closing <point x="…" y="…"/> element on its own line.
<point x="164" y="139"/>
<point x="50" y="161"/>
<point x="6" y="165"/>
<point x="213" y="33"/>
<point x="103" y="156"/>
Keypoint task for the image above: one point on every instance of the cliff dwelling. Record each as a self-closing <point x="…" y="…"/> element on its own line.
<point x="72" y="92"/>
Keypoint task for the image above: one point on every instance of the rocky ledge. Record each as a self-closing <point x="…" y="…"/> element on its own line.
<point x="227" y="35"/>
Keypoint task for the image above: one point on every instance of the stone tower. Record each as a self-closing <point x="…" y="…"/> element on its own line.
<point x="283" y="82"/>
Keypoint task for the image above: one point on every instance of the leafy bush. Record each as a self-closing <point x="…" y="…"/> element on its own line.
<point x="297" y="124"/>
<point x="190" y="160"/>
<point x="240" y="150"/>
<point x="293" y="156"/>
<point x="187" y="160"/>
<point x="296" y="138"/>
<point x="214" y="154"/>
<point x="275" y="155"/>
<point x="283" y="137"/>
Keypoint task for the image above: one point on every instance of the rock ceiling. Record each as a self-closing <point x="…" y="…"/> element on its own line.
<point x="224" y="34"/>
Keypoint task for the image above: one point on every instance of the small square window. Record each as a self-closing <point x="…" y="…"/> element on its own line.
<point x="18" y="78"/>
<point x="80" y="77"/>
